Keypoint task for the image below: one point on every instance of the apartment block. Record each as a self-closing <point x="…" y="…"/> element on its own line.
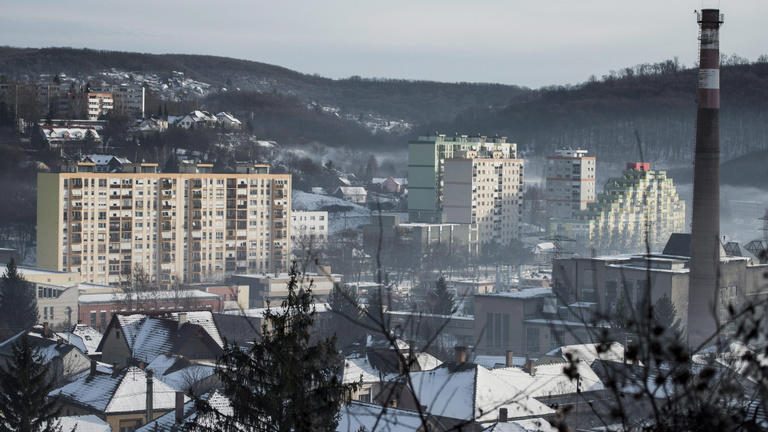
<point x="486" y="192"/>
<point x="129" y="98"/>
<point x="179" y="227"/>
<point x="426" y="169"/>
<point x="570" y="182"/>
<point x="309" y="229"/>
<point x="641" y="205"/>
<point x="99" y="104"/>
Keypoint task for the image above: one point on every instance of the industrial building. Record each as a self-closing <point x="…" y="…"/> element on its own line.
<point x="178" y="227"/>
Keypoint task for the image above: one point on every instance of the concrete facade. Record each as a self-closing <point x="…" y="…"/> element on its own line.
<point x="570" y="182"/>
<point x="179" y="227"/>
<point x="426" y="169"/>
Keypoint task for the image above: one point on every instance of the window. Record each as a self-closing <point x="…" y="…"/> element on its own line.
<point x="532" y="340"/>
<point x="103" y="318"/>
<point x="92" y="317"/>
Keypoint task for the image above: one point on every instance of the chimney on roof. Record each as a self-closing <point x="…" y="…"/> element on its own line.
<point x="46" y="330"/>
<point x="183" y="318"/>
<point x="150" y="401"/>
<point x="460" y="354"/>
<point x="179" y="406"/>
<point x="529" y="367"/>
<point x="510" y="359"/>
<point x="93" y="367"/>
<point x="503" y="415"/>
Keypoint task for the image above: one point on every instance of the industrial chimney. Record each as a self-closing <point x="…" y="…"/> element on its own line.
<point x="705" y="229"/>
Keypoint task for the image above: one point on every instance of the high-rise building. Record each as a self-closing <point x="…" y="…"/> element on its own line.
<point x="484" y="188"/>
<point x="178" y="227"/>
<point x="99" y="104"/>
<point x="570" y="182"/>
<point x="129" y="98"/>
<point x="426" y="159"/>
<point x="639" y="202"/>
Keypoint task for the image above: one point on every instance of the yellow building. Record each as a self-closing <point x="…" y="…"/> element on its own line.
<point x="178" y="227"/>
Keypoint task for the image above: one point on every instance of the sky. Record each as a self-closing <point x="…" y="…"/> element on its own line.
<point x="532" y="43"/>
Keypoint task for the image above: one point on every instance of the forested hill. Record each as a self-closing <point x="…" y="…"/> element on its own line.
<point x="413" y="101"/>
<point x="658" y="101"/>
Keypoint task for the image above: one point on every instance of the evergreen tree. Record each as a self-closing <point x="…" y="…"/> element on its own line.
<point x="25" y="384"/>
<point x="442" y="301"/>
<point x="665" y="315"/>
<point x="18" y="302"/>
<point x="345" y="321"/>
<point x="284" y="382"/>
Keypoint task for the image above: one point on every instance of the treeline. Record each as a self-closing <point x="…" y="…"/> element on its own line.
<point x="655" y="101"/>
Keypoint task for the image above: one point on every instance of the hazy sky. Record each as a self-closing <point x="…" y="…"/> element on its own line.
<point x="532" y="42"/>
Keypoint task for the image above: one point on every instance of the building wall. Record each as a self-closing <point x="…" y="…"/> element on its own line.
<point x="426" y="158"/>
<point x="179" y="227"/>
<point x="103" y="311"/>
<point x="570" y="183"/>
<point x="57" y="305"/>
<point x="498" y="315"/>
<point x="486" y="192"/>
<point x="309" y="229"/>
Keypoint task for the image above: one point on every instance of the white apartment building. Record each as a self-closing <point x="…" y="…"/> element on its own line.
<point x="426" y="169"/>
<point x="485" y="191"/>
<point x="570" y="182"/>
<point x="98" y="104"/>
<point x="179" y="227"/>
<point x="640" y="201"/>
<point x="309" y="229"/>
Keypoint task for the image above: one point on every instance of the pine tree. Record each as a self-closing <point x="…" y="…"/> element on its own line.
<point x="442" y="301"/>
<point x="346" y="318"/>
<point x="283" y="382"/>
<point x="665" y="315"/>
<point x="18" y="302"/>
<point x="25" y="384"/>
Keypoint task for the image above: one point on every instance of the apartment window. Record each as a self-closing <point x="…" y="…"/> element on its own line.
<point x="92" y="318"/>
<point x="103" y="318"/>
<point x="50" y="311"/>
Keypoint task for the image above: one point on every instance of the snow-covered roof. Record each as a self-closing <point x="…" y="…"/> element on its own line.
<point x="472" y="392"/>
<point x="357" y="416"/>
<point x="259" y="312"/>
<point x="527" y="425"/>
<point x="158" y="295"/>
<point x="123" y="392"/>
<point x="167" y="422"/>
<point x="359" y="368"/>
<point x="588" y="352"/>
<point x="205" y="320"/>
<point x="352" y="190"/>
<point x="85" y="423"/>
<point x="87" y="336"/>
<point x="550" y="379"/>
<point x="525" y="293"/>
<point x="227" y="116"/>
<point x="493" y="362"/>
<point x="73" y="133"/>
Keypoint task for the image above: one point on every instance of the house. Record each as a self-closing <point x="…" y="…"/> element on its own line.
<point x="84" y="423"/>
<point x="85" y="338"/>
<point x="69" y="138"/>
<point x="64" y="361"/>
<point x="148" y="126"/>
<point x="393" y="185"/>
<point x="139" y="338"/>
<point x="228" y="121"/>
<point x="196" y="119"/>
<point x="461" y="392"/>
<point x="184" y="375"/>
<point x="355" y="194"/>
<point x="186" y="413"/>
<point x="106" y="163"/>
<point x="118" y="398"/>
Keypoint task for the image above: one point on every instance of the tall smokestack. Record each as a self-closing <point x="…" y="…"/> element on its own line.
<point x="705" y="230"/>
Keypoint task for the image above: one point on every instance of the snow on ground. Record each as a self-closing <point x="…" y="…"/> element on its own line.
<point x="356" y="216"/>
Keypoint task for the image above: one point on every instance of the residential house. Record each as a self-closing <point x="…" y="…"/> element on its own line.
<point x="355" y="194"/>
<point x="119" y="398"/>
<point x="393" y="185"/>
<point x="106" y="163"/>
<point x="139" y="338"/>
<point x="228" y="121"/>
<point x="197" y="119"/>
<point x="64" y="361"/>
